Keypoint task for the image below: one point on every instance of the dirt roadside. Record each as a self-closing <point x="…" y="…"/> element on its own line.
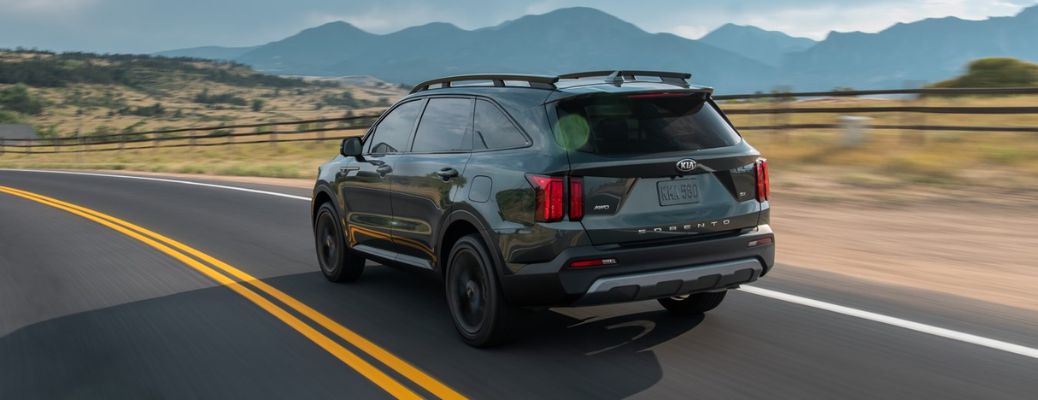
<point x="985" y="250"/>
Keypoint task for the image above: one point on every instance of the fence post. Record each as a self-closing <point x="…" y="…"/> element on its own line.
<point x="1" y="146"/>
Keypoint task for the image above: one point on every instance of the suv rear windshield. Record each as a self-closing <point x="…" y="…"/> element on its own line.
<point x="642" y="123"/>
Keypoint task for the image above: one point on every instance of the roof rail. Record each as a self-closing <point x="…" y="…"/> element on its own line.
<point x="618" y="77"/>
<point x="535" y="81"/>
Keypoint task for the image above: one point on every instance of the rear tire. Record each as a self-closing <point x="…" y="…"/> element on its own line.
<point x="477" y="306"/>
<point x="693" y="304"/>
<point x="338" y="262"/>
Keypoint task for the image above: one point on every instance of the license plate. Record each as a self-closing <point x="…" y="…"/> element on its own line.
<point x="681" y="191"/>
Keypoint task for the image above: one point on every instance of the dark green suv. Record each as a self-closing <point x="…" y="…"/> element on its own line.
<point x="523" y="190"/>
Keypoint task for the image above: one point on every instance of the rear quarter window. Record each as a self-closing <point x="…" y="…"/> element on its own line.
<point x="494" y="130"/>
<point x="642" y="124"/>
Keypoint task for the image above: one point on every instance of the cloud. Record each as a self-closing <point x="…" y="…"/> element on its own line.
<point x="44" y="6"/>
<point x="691" y="31"/>
<point x="151" y="25"/>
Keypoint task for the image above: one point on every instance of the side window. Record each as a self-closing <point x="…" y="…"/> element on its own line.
<point x="445" y="126"/>
<point x="494" y="130"/>
<point x="393" y="134"/>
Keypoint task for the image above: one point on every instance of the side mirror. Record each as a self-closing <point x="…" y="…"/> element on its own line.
<point x="351" y="147"/>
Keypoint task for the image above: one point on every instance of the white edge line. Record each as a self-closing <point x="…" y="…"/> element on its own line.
<point x="804" y="301"/>
<point x="898" y="322"/>
<point x="145" y="178"/>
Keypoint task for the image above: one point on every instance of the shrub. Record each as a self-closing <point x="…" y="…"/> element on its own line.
<point x="995" y="72"/>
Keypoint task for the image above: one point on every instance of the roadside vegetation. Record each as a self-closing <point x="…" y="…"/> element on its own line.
<point x="69" y="94"/>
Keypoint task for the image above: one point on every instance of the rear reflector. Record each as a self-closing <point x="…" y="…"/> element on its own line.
<point x="763" y="182"/>
<point x="576" y="198"/>
<point x="598" y="262"/>
<point x="549" y="197"/>
<point x="760" y="242"/>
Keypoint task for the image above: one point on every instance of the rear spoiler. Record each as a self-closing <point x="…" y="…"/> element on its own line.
<point x="620" y="76"/>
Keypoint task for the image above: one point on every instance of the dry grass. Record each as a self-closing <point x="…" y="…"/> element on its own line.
<point x="809" y="163"/>
<point x="88" y="108"/>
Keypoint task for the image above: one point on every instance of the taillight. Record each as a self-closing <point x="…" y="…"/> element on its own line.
<point x="549" y="197"/>
<point x="763" y="183"/>
<point x="576" y="198"/>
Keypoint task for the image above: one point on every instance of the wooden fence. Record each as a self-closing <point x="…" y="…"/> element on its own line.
<point x="333" y="128"/>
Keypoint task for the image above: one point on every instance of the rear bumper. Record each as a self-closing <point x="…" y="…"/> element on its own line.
<point x="642" y="273"/>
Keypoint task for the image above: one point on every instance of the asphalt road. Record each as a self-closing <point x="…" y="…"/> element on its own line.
<point x="89" y="312"/>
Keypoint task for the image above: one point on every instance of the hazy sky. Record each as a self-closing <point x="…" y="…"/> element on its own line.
<point x="153" y="25"/>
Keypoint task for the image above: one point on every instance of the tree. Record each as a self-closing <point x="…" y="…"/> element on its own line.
<point x="18" y="99"/>
<point x="257" y="105"/>
<point x="995" y="72"/>
<point x="8" y="117"/>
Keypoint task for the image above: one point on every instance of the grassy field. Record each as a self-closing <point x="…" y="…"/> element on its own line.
<point x="890" y="165"/>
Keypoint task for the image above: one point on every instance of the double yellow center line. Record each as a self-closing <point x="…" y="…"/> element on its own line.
<point x="247" y="286"/>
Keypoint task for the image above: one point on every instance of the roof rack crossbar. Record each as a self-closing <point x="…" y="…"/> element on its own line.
<point x="535" y="81"/>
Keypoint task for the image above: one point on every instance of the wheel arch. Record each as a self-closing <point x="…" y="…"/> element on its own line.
<point x="459" y="223"/>
<point x="321" y="195"/>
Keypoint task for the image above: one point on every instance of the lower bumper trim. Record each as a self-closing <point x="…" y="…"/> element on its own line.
<point x="672" y="282"/>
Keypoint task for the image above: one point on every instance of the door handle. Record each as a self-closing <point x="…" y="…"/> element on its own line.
<point x="383" y="169"/>
<point x="447" y="173"/>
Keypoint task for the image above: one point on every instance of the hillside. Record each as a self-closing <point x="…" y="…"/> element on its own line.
<point x="62" y="93"/>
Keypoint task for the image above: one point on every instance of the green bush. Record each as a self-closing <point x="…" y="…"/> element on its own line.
<point x="18" y="99"/>
<point x="995" y="72"/>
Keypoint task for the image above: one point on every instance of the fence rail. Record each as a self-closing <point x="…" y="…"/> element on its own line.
<point x="229" y="134"/>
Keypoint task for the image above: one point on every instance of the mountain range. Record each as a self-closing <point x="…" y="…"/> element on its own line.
<point x="732" y="58"/>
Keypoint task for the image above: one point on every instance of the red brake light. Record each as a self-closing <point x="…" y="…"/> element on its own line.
<point x="763" y="182"/>
<point x="549" y="197"/>
<point x="656" y="95"/>
<point x="598" y="262"/>
<point x="576" y="198"/>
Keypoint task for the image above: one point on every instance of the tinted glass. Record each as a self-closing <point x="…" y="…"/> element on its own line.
<point x="494" y="130"/>
<point x="642" y="124"/>
<point x="445" y="126"/>
<point x="393" y="134"/>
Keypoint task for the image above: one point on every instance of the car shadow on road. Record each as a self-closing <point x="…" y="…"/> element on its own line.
<point x="601" y="352"/>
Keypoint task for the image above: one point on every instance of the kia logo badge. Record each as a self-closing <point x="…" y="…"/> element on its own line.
<point x="686" y="165"/>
